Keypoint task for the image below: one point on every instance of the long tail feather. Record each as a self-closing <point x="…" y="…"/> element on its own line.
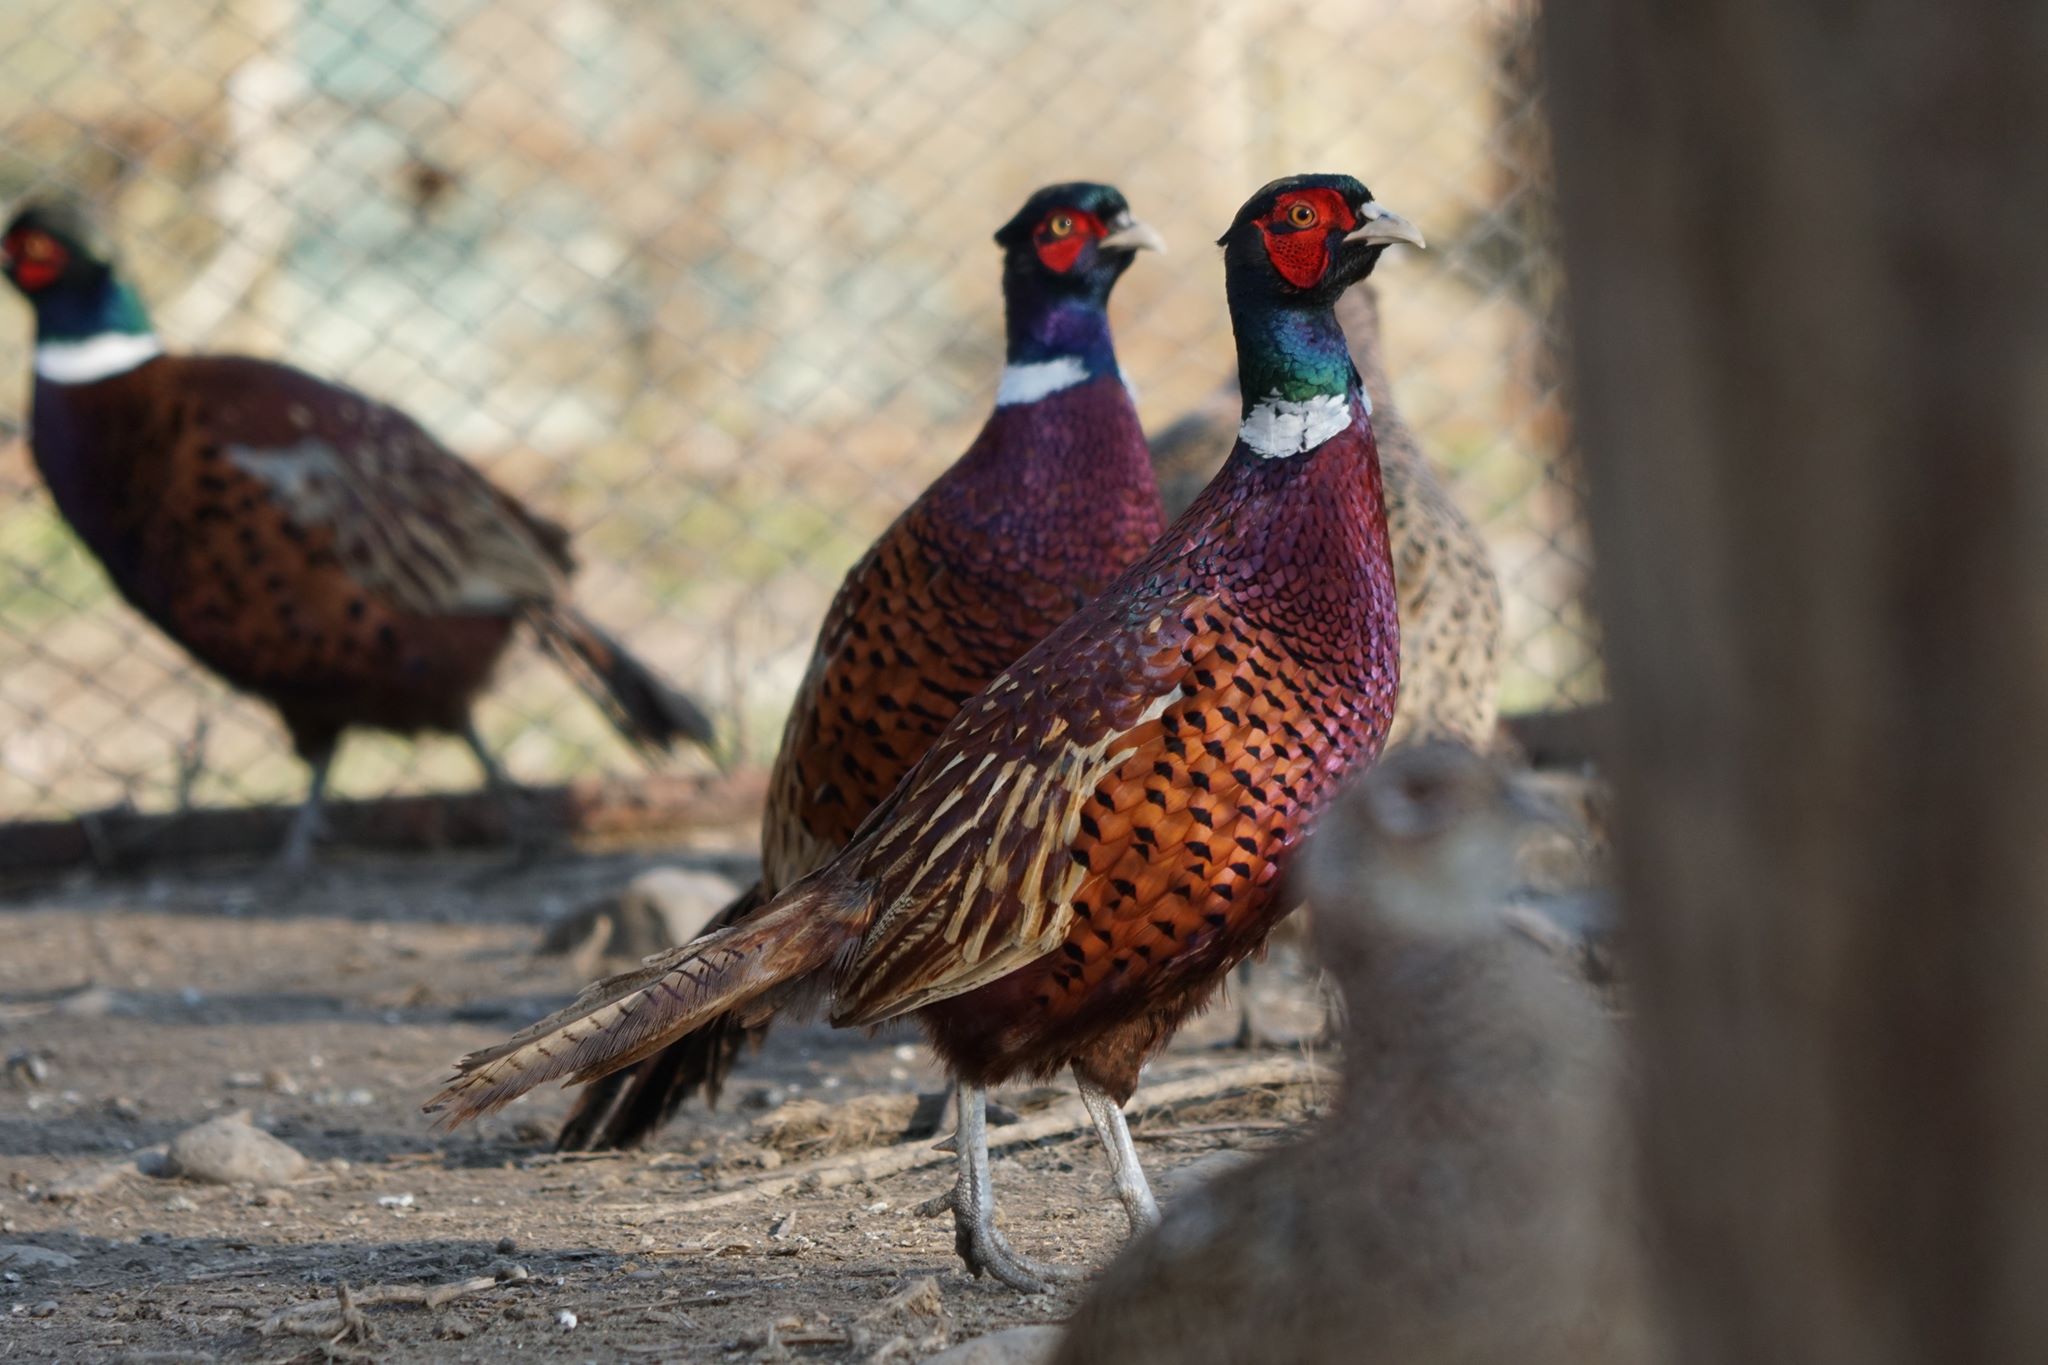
<point x="638" y="703"/>
<point x="628" y="1107"/>
<point x="624" y="1018"/>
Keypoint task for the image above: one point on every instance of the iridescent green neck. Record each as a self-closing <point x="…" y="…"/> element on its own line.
<point x="1294" y="353"/>
<point x="107" y="306"/>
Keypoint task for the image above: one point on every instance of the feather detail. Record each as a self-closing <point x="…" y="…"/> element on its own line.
<point x="624" y="1018"/>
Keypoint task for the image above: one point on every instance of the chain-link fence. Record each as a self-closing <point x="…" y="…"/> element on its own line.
<point x="712" y="283"/>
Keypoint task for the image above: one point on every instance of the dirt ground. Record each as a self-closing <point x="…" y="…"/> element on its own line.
<point x="132" y="1010"/>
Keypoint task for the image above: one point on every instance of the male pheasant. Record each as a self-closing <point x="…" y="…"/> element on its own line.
<point x="310" y="545"/>
<point x="1095" y="840"/>
<point x="1449" y="592"/>
<point x="1050" y="502"/>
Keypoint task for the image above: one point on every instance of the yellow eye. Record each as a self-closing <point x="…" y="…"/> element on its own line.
<point x="1060" y="225"/>
<point x="1301" y="215"/>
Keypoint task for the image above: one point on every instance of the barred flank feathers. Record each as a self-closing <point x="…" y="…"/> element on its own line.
<point x="644" y="709"/>
<point x="624" y="1018"/>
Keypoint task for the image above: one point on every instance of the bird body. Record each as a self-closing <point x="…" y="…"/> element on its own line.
<point x="310" y="545"/>
<point x="1053" y="498"/>
<point x="1096" y="838"/>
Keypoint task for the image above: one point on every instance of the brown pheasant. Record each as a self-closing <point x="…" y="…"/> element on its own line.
<point x="1466" y="1199"/>
<point x="310" y="545"/>
<point x="1050" y="502"/>
<point x="1095" y="840"/>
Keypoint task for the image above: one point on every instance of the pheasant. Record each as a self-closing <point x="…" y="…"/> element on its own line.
<point x="312" y="546"/>
<point x="1449" y="592"/>
<point x="1466" y="1197"/>
<point x="1097" y="838"/>
<point x="1052" y="499"/>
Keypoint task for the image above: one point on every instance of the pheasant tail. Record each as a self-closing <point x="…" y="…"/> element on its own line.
<point x="631" y="1105"/>
<point x="645" y="709"/>
<point x="624" y="1018"/>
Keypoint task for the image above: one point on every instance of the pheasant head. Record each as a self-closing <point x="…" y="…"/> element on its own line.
<point x="1062" y="254"/>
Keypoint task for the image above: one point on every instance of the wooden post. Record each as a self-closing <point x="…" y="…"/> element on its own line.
<point x="1810" y="296"/>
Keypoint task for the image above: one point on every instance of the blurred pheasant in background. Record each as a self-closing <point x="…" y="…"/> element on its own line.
<point x="1466" y="1198"/>
<point x="312" y="546"/>
<point x="1054" y="497"/>
<point x="1095" y="840"/>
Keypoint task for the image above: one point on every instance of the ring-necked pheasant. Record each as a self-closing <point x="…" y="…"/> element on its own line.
<point x="1096" y="839"/>
<point x="1444" y="577"/>
<point x="1443" y="571"/>
<point x="1053" y="499"/>
<point x="310" y="545"/>
<point x="1466" y="1197"/>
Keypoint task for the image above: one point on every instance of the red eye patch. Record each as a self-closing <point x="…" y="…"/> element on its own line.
<point x="1061" y="236"/>
<point x="1298" y="232"/>
<point x="34" y="260"/>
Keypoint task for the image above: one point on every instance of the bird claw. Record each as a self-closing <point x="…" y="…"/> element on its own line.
<point x="985" y="1251"/>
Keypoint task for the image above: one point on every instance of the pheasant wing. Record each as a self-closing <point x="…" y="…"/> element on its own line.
<point x="974" y="865"/>
<point x="407" y="517"/>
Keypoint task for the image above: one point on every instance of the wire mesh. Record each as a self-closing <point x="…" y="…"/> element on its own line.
<point x="712" y="283"/>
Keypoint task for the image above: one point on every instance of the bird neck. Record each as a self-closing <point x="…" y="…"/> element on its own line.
<point x="1054" y="341"/>
<point x="1296" y="377"/>
<point x="92" y="331"/>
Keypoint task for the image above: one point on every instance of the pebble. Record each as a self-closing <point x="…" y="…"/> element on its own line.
<point x="394" y="1201"/>
<point x="566" y="1320"/>
<point x="229" y="1151"/>
<point x="1015" y="1346"/>
<point x="23" y="1256"/>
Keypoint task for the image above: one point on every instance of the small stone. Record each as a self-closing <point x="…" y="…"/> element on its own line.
<point x="394" y="1201"/>
<point x="566" y="1320"/>
<point x="244" y="1080"/>
<point x="23" y="1256"/>
<point x="94" y="1002"/>
<point x="178" y="1203"/>
<point x="228" y="1151"/>
<point x="506" y="1246"/>
<point x="46" y="1309"/>
<point x="278" y="1081"/>
<point x="1015" y="1346"/>
<point x="121" y="1107"/>
<point x="28" y="1068"/>
<point x="271" y="1199"/>
<point x="453" y="1327"/>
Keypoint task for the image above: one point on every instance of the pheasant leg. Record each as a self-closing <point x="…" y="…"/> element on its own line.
<point x="975" y="1236"/>
<point x="523" y="829"/>
<point x="297" y="854"/>
<point x="1131" y="1185"/>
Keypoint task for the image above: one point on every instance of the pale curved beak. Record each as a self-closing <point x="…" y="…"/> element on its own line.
<point x="1381" y="226"/>
<point x="1132" y="235"/>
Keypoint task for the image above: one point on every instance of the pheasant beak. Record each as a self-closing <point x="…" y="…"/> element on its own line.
<point x="1380" y="226"/>
<point x="1128" y="234"/>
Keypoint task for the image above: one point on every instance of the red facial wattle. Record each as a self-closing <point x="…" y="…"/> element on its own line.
<point x="1300" y="232"/>
<point x="1059" y="251"/>
<point x="35" y="263"/>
